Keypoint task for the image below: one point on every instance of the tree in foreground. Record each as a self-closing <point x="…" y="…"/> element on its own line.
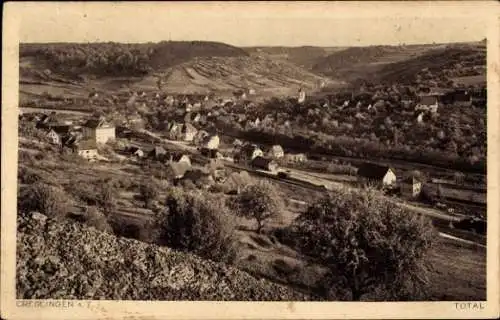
<point x="373" y="248"/>
<point x="260" y="201"/>
<point x="196" y="223"/>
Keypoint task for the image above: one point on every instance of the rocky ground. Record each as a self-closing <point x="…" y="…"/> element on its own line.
<point x="67" y="260"/>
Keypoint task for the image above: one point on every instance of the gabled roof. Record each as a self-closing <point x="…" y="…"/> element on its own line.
<point x="61" y="129"/>
<point x="428" y="100"/>
<point x="96" y="123"/>
<point x="411" y="179"/>
<point x="178" y="156"/>
<point x="261" y="162"/>
<point x="373" y="171"/>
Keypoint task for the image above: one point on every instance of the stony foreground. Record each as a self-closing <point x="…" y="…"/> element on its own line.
<point x="65" y="260"/>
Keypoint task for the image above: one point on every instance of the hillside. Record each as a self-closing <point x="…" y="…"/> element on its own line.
<point x="64" y="260"/>
<point x="356" y="61"/>
<point x="263" y="74"/>
<point x="119" y="59"/>
<point x="305" y="56"/>
<point x="183" y="67"/>
<point x="451" y="62"/>
<point x="402" y="63"/>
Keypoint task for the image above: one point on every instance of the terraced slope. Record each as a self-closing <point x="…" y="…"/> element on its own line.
<point x="230" y="73"/>
<point x="65" y="260"/>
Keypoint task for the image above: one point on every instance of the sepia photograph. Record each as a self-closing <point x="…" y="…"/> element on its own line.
<point x="249" y="152"/>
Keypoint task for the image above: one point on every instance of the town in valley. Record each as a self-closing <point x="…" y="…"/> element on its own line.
<point x="196" y="170"/>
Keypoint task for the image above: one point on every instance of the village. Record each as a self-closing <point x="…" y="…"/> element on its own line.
<point x="189" y="146"/>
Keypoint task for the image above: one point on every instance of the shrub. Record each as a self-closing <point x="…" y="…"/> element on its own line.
<point x="97" y="219"/>
<point x="369" y="245"/>
<point x="196" y="223"/>
<point x="28" y="176"/>
<point x="95" y="194"/>
<point x="148" y="193"/>
<point x="259" y="201"/>
<point x="47" y="199"/>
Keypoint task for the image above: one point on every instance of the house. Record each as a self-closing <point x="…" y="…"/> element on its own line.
<point x="299" y="157"/>
<point x="136" y="151"/>
<point x="179" y="157"/>
<point x="86" y="149"/>
<point x="301" y="96"/>
<point x="211" y="142"/>
<point x="251" y="91"/>
<point x="174" y="130"/>
<point x="249" y="152"/>
<point x="98" y="130"/>
<point x="177" y="169"/>
<point x="376" y="174"/>
<point x="53" y="137"/>
<point x="188" y="132"/>
<point x="265" y="164"/>
<point x="276" y="152"/>
<point x="158" y="152"/>
<point x="411" y="187"/>
<point x="428" y="103"/>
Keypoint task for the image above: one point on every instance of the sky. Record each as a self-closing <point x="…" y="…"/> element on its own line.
<point x="325" y="24"/>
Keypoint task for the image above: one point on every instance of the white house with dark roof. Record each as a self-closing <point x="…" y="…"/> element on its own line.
<point x="98" y="130"/>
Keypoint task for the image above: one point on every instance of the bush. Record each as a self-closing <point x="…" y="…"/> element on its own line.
<point x="196" y="223"/>
<point x="44" y="198"/>
<point x="97" y="219"/>
<point x="98" y="194"/>
<point x="372" y="247"/>
<point x="148" y="192"/>
<point x="259" y="201"/>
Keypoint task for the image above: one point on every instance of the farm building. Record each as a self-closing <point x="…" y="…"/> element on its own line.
<point x="376" y="174"/>
<point x="211" y="142"/>
<point x="411" y="187"/>
<point x="428" y="103"/>
<point x="188" y="132"/>
<point x="86" y="149"/>
<point x="265" y="164"/>
<point x="276" y="152"/>
<point x="98" y="130"/>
